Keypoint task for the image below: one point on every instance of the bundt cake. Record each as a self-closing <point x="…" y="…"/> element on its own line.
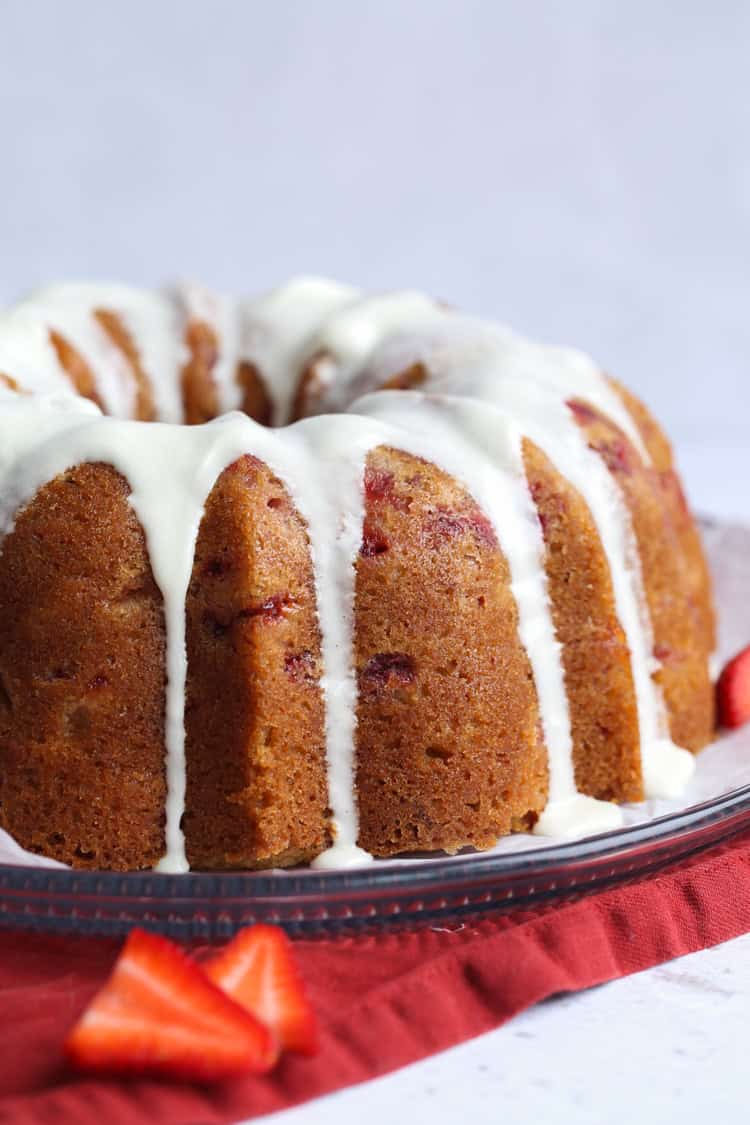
<point x="461" y="595"/>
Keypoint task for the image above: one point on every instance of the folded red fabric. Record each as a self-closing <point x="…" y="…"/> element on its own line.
<point x="384" y="1001"/>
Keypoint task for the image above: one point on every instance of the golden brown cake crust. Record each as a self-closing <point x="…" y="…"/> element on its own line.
<point x="595" y="654"/>
<point x="200" y="400"/>
<point x="82" y="678"/>
<point x="256" y="402"/>
<point x="76" y="368"/>
<point x="679" y="636"/>
<point x="112" y="324"/>
<point x="695" y="573"/>
<point x="199" y="391"/>
<point x="310" y="387"/>
<point x="449" y="750"/>
<point x="256" y="775"/>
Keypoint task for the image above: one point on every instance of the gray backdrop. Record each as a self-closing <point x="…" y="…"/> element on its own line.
<point x="579" y="169"/>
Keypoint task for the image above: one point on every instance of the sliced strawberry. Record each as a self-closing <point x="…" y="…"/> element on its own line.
<point x="159" y="1014"/>
<point x="257" y="970"/>
<point x="733" y="691"/>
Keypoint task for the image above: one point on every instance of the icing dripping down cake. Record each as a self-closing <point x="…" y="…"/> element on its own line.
<point x="321" y="576"/>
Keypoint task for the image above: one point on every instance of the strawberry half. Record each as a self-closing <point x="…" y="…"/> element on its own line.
<point x="733" y="691"/>
<point x="159" y="1014"/>
<point x="257" y="970"/>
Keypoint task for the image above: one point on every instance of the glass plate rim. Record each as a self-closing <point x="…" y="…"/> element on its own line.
<point x="408" y="873"/>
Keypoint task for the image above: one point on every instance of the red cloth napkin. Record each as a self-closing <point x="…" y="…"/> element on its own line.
<point x="384" y="1001"/>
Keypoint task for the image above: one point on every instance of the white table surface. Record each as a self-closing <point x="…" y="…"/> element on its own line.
<point x="666" y="1045"/>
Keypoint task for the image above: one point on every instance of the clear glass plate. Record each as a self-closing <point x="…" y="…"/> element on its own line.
<point x="522" y="873"/>
<point x="384" y="895"/>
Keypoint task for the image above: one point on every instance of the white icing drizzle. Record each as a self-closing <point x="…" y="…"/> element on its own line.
<point x="278" y="329"/>
<point x="351" y="337"/>
<point x="157" y="325"/>
<point x="334" y="510"/>
<point x="466" y="356"/>
<point x="27" y="355"/>
<point x="154" y="321"/>
<point x="486" y="390"/>
<point x="68" y="309"/>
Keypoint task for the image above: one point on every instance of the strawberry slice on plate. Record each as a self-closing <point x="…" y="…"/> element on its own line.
<point x="733" y="691"/>
<point x="257" y="970"/>
<point x="158" y="1014"/>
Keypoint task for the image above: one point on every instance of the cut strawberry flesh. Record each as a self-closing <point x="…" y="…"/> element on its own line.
<point x="373" y="541"/>
<point x="386" y="669"/>
<point x="159" y="1014"/>
<point x="257" y="970"/>
<point x="442" y="526"/>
